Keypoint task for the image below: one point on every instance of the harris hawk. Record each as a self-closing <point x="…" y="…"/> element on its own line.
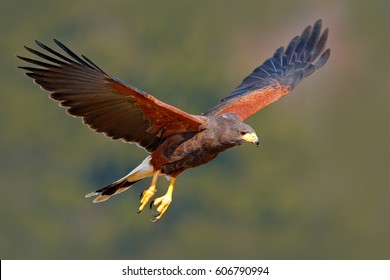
<point x="174" y="139"/>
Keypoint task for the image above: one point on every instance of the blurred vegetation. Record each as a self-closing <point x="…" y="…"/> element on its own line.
<point x="318" y="188"/>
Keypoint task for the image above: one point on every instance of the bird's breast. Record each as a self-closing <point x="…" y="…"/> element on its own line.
<point x="180" y="152"/>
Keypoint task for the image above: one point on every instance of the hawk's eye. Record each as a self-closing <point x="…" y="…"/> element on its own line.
<point x="242" y="133"/>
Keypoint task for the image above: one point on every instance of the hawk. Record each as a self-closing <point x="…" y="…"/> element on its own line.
<point x="174" y="139"/>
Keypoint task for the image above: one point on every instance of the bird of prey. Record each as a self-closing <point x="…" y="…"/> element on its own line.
<point x="174" y="139"/>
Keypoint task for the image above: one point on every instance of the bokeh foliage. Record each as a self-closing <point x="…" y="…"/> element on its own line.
<point x="318" y="188"/>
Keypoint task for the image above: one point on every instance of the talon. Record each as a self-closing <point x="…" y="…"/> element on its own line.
<point x="147" y="194"/>
<point x="141" y="195"/>
<point x="151" y="205"/>
<point x="162" y="203"/>
<point x="154" y="213"/>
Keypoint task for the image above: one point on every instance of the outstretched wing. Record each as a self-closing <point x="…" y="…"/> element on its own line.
<point x="106" y="104"/>
<point x="278" y="75"/>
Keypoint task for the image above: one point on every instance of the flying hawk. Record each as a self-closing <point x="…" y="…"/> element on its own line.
<point x="174" y="139"/>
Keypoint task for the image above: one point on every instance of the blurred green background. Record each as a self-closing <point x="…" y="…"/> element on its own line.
<point x="318" y="188"/>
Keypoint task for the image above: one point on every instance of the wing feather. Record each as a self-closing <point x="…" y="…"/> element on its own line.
<point x="106" y="104"/>
<point x="278" y="75"/>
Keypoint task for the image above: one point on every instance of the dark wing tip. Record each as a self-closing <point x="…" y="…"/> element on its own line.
<point x="323" y="59"/>
<point x="318" y="24"/>
<point x="58" y="58"/>
<point x="303" y="55"/>
<point x="39" y="43"/>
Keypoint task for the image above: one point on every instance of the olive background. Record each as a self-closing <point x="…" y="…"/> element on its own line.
<point x="317" y="188"/>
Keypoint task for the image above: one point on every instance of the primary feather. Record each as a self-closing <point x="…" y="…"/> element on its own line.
<point x="278" y="75"/>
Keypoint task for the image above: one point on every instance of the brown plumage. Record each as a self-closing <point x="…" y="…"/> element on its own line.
<point x="175" y="139"/>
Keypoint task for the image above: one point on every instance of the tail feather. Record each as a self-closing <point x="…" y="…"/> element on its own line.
<point x="140" y="172"/>
<point x="115" y="188"/>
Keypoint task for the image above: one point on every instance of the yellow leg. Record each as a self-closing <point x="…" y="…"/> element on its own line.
<point x="148" y="193"/>
<point x="163" y="202"/>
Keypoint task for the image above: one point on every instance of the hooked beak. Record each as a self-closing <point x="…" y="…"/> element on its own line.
<point x="251" y="138"/>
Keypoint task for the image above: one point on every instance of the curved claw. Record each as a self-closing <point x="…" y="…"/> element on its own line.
<point x="154" y="213"/>
<point x="162" y="203"/>
<point x="140" y="197"/>
<point x="146" y="195"/>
